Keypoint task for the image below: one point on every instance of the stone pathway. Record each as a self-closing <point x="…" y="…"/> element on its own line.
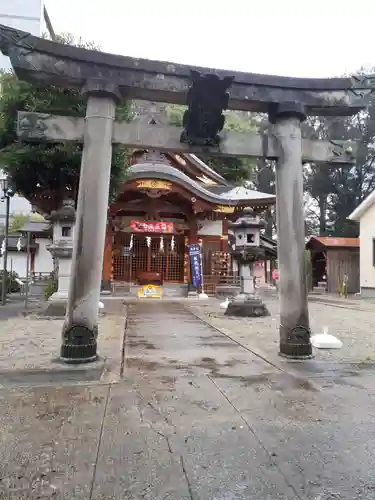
<point x="167" y="336"/>
<point x="197" y="416"/>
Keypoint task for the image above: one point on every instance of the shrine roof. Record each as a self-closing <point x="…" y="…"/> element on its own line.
<point x="242" y="192"/>
<point x="267" y="244"/>
<point x="332" y="242"/>
<point x="35" y="227"/>
<point x="227" y="195"/>
<point x="204" y="168"/>
<point x="181" y="161"/>
<point x="235" y="192"/>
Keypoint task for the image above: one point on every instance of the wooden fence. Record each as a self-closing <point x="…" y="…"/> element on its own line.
<point x="214" y="284"/>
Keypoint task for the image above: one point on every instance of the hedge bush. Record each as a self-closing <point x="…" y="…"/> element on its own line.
<point x="50" y="288"/>
<point x="12" y="285"/>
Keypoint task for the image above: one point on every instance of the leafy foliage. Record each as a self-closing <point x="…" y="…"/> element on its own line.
<point x="234" y="169"/>
<point x="336" y="189"/>
<point x="50" y="288"/>
<point x="11" y="284"/>
<point x="40" y="169"/>
<point x="19" y="220"/>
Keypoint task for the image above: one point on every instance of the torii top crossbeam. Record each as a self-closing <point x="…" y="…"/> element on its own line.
<point x="47" y="62"/>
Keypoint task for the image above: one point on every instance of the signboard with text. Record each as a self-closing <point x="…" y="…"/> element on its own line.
<point x="150" y="292"/>
<point x="139" y="226"/>
<point x="195" y="264"/>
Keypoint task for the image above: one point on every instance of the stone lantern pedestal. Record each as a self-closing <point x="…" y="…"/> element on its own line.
<point x="246" y="250"/>
<point x="61" y="250"/>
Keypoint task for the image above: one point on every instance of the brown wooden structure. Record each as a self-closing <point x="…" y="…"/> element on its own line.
<point x="181" y="190"/>
<point x="332" y="259"/>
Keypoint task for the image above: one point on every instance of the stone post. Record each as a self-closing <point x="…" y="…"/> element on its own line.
<point x="61" y="250"/>
<point x="294" y="317"/>
<point x="247" y="285"/>
<point x="80" y="329"/>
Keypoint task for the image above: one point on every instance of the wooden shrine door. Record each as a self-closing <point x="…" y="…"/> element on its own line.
<point x="128" y="262"/>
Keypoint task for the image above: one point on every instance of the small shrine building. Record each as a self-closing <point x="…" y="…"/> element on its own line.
<point x="168" y="201"/>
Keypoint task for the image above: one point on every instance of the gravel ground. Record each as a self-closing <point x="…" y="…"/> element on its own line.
<point x="352" y="322"/>
<point x="32" y="343"/>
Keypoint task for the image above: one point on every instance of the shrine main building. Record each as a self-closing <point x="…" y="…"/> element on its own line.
<point x="168" y="201"/>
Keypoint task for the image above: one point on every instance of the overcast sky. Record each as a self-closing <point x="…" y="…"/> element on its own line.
<point x="316" y="38"/>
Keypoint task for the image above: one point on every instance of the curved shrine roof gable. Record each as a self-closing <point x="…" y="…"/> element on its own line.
<point x="151" y="157"/>
<point x="230" y="195"/>
<point x="187" y="163"/>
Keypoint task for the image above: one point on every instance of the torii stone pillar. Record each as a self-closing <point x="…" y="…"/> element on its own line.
<point x="294" y="316"/>
<point x="81" y="323"/>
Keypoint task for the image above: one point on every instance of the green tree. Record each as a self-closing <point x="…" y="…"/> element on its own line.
<point x="339" y="189"/>
<point x="263" y="176"/>
<point x="40" y="170"/>
<point x="264" y="181"/>
<point x="318" y="178"/>
<point x="17" y="221"/>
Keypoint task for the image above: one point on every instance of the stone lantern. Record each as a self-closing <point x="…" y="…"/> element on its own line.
<point x="246" y="250"/>
<point x="61" y="250"/>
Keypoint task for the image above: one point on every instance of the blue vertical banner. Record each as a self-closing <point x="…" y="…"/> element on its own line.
<point x="195" y="264"/>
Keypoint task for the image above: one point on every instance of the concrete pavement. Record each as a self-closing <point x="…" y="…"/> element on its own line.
<point x="12" y="309"/>
<point x="197" y="416"/>
<point x="15" y="304"/>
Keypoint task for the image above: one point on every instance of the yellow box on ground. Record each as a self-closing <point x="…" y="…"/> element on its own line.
<point x="150" y="292"/>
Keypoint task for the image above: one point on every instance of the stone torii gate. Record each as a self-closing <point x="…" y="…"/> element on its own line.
<point x="104" y="78"/>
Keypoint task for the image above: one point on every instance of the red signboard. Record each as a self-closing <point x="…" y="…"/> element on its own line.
<point x="139" y="226"/>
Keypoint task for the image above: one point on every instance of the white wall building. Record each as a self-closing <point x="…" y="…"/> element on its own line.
<point x="41" y="261"/>
<point x="30" y="16"/>
<point x="26" y="15"/>
<point x="365" y="215"/>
